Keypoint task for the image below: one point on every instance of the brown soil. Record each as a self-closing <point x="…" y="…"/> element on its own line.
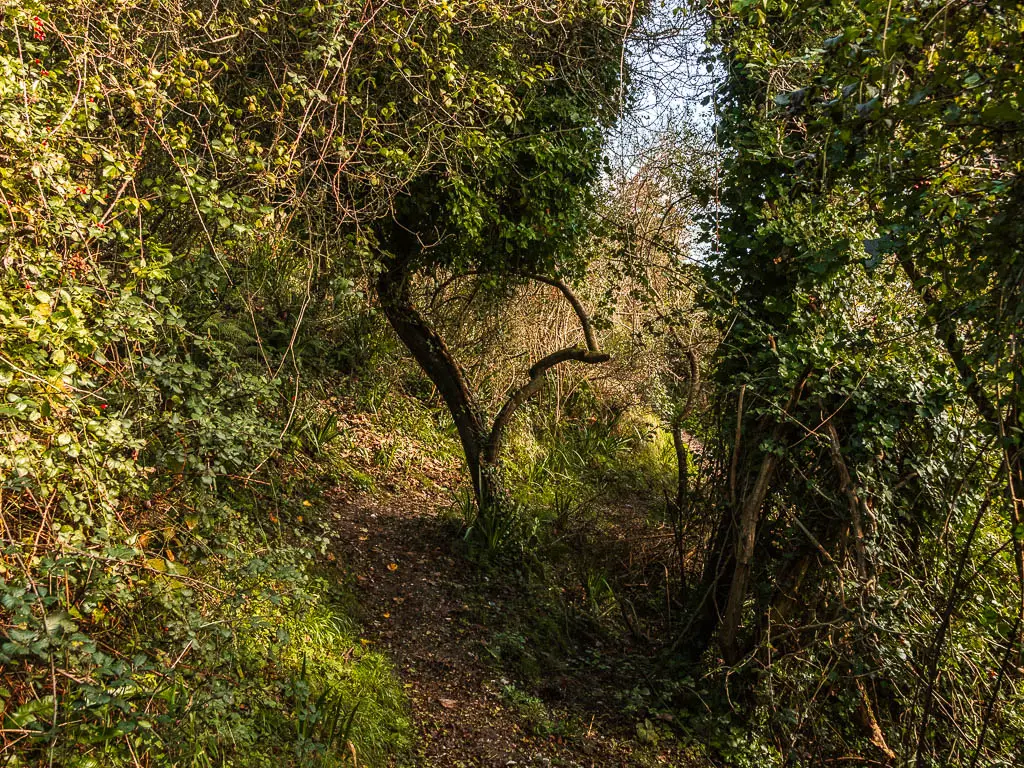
<point x="437" y="617"/>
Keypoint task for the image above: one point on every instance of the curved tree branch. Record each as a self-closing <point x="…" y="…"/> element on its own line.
<point x="581" y="313"/>
<point x="591" y="355"/>
<point x="481" y="447"/>
<point x="567" y="292"/>
<point x="434" y="357"/>
<point x="569" y="353"/>
<point x="682" y="467"/>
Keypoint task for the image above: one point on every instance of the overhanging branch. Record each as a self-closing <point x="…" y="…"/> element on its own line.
<point x="581" y="313"/>
<point x="590" y="355"/>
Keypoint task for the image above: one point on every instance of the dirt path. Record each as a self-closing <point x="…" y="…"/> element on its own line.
<point x="436" y="617"/>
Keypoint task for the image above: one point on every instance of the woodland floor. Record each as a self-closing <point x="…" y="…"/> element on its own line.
<point x="439" y="619"/>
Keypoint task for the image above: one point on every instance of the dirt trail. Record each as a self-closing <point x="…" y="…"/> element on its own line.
<point x="427" y="609"/>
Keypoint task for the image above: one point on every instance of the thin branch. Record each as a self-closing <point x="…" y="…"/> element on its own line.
<point x="591" y="355"/>
<point x="581" y="313"/>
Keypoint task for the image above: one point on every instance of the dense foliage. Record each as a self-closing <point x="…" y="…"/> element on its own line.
<point x="785" y="495"/>
<point x="871" y="247"/>
<point x="183" y="187"/>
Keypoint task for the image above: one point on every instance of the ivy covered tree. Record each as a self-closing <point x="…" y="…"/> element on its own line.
<point x="871" y="247"/>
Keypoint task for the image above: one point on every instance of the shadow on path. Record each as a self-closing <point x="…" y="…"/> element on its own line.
<point x="439" y="619"/>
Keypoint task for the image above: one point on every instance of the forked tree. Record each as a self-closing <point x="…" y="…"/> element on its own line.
<point x="514" y="211"/>
<point x="482" y="438"/>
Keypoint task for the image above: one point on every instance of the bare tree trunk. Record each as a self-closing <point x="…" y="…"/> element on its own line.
<point x="705" y="605"/>
<point x="682" y="465"/>
<point x="482" y="446"/>
<point x="682" y="452"/>
<point x="746" y="535"/>
<point x="854" y="501"/>
<point x="433" y="356"/>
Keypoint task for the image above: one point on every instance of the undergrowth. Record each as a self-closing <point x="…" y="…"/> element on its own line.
<point x="197" y="640"/>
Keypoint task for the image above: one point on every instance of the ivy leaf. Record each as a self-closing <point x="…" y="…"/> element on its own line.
<point x="1002" y="112"/>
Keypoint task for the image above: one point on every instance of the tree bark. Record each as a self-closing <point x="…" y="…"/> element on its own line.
<point x="682" y="452"/>
<point x="746" y="536"/>
<point x="434" y="357"/>
<point x="854" y="501"/>
<point x="482" y="446"/>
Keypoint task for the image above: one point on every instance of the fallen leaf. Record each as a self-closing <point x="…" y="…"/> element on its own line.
<point x="449" y="703"/>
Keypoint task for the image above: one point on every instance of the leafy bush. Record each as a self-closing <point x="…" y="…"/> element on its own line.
<point x="152" y="606"/>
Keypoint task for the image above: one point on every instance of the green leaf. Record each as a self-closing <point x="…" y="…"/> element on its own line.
<point x="59" y="623"/>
